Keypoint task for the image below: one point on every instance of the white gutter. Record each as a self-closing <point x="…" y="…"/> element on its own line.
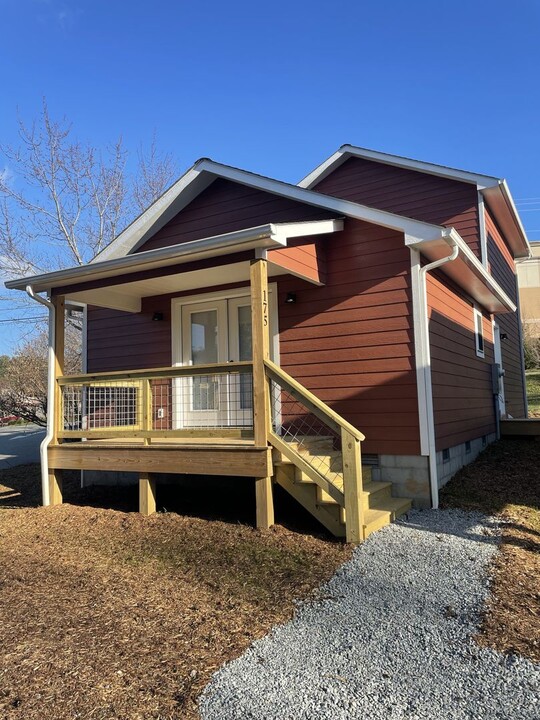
<point x="425" y="363"/>
<point x="50" y="395"/>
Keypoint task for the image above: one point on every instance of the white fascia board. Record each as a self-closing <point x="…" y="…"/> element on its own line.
<point x="501" y="195"/>
<point x="347" y="151"/>
<point x="268" y="236"/>
<point x="324" y="169"/>
<point x="135" y="233"/>
<point x="479" y="283"/>
<point x="304" y="229"/>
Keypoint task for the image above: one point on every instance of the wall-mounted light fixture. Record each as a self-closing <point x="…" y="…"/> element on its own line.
<point x="157" y="317"/>
<point x="504" y="336"/>
<point x="291" y="298"/>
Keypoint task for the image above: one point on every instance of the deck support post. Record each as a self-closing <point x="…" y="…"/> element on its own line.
<point x="264" y="503"/>
<point x="260" y="327"/>
<point x="55" y="487"/>
<point x="147" y="494"/>
<point x="352" y="487"/>
<point x="55" y="476"/>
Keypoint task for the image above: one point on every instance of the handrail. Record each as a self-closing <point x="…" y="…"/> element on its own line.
<point x="317" y="406"/>
<point x="178" y="371"/>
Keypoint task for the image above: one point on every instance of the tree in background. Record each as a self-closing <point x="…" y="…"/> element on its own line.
<point x="531" y="345"/>
<point x="61" y="202"/>
<point x="23" y="377"/>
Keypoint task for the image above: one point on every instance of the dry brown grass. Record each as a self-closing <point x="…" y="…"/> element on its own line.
<point x="105" y="614"/>
<point x="505" y="481"/>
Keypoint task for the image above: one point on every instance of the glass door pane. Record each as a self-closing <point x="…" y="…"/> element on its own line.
<point x="204" y="350"/>
<point x="201" y="400"/>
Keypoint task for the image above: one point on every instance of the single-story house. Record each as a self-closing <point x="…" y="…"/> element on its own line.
<point x="354" y="338"/>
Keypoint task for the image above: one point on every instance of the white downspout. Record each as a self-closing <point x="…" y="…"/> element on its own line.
<point x="424" y="333"/>
<point x="50" y="395"/>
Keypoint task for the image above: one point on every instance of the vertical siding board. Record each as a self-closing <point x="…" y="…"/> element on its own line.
<point x="408" y="192"/>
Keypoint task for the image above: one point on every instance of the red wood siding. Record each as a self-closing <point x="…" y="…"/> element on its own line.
<point x="408" y="192"/>
<point x="462" y="395"/>
<point x="349" y="341"/>
<point x="306" y="259"/>
<point x="225" y="207"/>
<point x="502" y="267"/>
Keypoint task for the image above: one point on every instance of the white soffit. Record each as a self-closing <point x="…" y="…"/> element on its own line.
<point x="467" y="272"/>
<point x="128" y="296"/>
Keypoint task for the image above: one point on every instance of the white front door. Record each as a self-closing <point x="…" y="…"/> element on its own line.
<point x="201" y="401"/>
<point x="215" y="331"/>
<point x="498" y="361"/>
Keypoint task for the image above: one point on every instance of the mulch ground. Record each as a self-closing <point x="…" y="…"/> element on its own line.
<point x="105" y="614"/>
<point x="505" y="481"/>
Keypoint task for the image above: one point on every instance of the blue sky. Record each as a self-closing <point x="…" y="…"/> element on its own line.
<point x="276" y="87"/>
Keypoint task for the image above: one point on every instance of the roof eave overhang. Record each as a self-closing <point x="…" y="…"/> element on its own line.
<point x="500" y="201"/>
<point x="270" y="236"/>
<point x="466" y="271"/>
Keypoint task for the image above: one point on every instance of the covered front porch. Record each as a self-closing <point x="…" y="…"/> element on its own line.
<point x="224" y="406"/>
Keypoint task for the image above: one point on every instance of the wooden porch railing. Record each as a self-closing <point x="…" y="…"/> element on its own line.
<point x="298" y="420"/>
<point x="205" y="401"/>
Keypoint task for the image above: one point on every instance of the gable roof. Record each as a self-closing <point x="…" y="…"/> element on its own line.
<point x="494" y="190"/>
<point x="205" y="171"/>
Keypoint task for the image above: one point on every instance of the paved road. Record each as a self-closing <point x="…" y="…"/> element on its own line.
<point x="19" y="444"/>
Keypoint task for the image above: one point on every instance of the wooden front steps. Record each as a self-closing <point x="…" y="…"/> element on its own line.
<point x="379" y="506"/>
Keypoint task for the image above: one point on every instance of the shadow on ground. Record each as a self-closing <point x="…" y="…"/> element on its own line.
<point x="230" y="500"/>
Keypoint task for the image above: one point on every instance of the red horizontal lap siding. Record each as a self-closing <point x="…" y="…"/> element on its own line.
<point x="462" y="397"/>
<point x="408" y="192"/>
<point x="502" y="267"/>
<point x="349" y="341"/>
<point x="226" y="207"/>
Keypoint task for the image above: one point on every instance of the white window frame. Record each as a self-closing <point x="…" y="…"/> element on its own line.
<point x="480" y="351"/>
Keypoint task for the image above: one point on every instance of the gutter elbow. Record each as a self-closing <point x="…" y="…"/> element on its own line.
<point x="30" y="292"/>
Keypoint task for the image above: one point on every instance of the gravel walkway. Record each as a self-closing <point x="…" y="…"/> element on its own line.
<point x="388" y="637"/>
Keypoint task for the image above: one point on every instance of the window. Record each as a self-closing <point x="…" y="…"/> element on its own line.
<point x="446" y="455"/>
<point x="479" y="332"/>
<point x="468" y="447"/>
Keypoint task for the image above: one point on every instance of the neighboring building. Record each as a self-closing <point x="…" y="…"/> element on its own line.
<point x="392" y="297"/>
<point x="529" y="290"/>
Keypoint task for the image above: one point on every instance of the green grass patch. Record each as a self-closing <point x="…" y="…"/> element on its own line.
<point x="533" y="390"/>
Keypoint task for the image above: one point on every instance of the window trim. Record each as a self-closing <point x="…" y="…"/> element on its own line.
<point x="479" y="335"/>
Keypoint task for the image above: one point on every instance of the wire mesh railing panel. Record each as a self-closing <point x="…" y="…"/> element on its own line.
<point x="217" y="401"/>
<point x="102" y="406"/>
<point x="317" y="442"/>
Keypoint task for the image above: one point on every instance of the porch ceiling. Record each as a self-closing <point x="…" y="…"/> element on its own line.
<point x="128" y="296"/>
